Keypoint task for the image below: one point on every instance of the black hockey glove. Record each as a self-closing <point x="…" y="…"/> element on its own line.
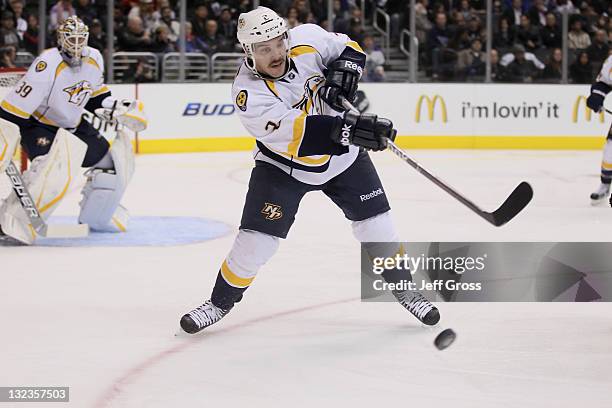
<point x="341" y="79"/>
<point x="365" y="130"/>
<point x="595" y="101"/>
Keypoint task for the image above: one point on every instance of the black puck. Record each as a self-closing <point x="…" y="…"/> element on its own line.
<point x="445" y="339"/>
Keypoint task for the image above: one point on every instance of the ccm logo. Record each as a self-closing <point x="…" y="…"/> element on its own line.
<point x="345" y="135"/>
<point x="366" y="197"/>
<point x="352" y="65"/>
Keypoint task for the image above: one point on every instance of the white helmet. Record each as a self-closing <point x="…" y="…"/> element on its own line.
<point x="72" y="37"/>
<point x="259" y="25"/>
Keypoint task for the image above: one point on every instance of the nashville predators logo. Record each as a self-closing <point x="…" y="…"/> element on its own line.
<point x="311" y="98"/>
<point x="43" y="141"/>
<point x="79" y="92"/>
<point x="241" y="100"/>
<point x="41" y="66"/>
<point x="272" y="212"/>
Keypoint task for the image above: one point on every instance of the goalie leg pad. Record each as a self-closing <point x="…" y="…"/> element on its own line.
<point x="104" y="189"/>
<point x="48" y="180"/>
<point x="9" y="140"/>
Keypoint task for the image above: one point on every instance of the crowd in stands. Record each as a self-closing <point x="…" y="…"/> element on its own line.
<point x="527" y="35"/>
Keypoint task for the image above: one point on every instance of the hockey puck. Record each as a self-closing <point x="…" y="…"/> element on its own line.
<point x="445" y="339"/>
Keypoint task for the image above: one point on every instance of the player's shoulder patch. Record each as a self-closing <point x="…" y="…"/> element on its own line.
<point x="40" y="66"/>
<point x="241" y="100"/>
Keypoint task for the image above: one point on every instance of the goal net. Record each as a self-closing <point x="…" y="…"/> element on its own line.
<point x="8" y="78"/>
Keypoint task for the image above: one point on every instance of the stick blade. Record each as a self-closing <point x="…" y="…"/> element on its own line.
<point x="67" y="231"/>
<point x="514" y="204"/>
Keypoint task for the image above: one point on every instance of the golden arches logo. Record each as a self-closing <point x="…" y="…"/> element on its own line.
<point x="587" y="110"/>
<point x="431" y="107"/>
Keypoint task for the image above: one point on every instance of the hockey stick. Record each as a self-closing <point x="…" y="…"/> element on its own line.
<point x="40" y="226"/>
<point x="514" y="204"/>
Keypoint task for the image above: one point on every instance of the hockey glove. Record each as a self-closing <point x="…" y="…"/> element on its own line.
<point x="341" y="79"/>
<point x="595" y="101"/>
<point x="127" y="112"/>
<point x="364" y="130"/>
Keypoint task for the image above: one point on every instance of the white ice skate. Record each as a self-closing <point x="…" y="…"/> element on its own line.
<point x="201" y="317"/>
<point x="419" y="306"/>
<point x="599" y="196"/>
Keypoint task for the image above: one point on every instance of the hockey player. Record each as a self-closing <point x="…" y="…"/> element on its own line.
<point x="595" y="101"/>
<point x="288" y="96"/>
<point x="42" y="113"/>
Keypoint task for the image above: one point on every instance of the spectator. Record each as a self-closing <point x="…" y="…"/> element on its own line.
<point x="514" y="13"/>
<point x="471" y="62"/>
<point x="565" y="6"/>
<point x="192" y="43"/>
<point x="437" y="42"/>
<point x="581" y="71"/>
<point x="578" y="39"/>
<point x="173" y="26"/>
<point x="599" y="49"/>
<point x="8" y="32"/>
<point x="199" y="20"/>
<point x="21" y="23"/>
<point x="465" y="9"/>
<point x="292" y="18"/>
<point x="85" y="11"/>
<point x="30" y="37"/>
<point x="423" y="24"/>
<point x="59" y="12"/>
<point x="551" y="32"/>
<point x="497" y="70"/>
<point x="139" y="73"/>
<point x="133" y="37"/>
<point x="8" y="57"/>
<point x="521" y="69"/>
<point x="552" y="72"/>
<point x="227" y="26"/>
<point x="147" y="13"/>
<point x="528" y="35"/>
<point x="161" y="40"/>
<point x="505" y="37"/>
<point x="211" y="41"/>
<point x="375" y="60"/>
<point x="474" y="29"/>
<point x="355" y="31"/>
<point x="537" y="13"/>
<point x="97" y="38"/>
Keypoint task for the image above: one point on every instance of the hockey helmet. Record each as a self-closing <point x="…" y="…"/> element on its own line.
<point x="256" y="26"/>
<point x="72" y="35"/>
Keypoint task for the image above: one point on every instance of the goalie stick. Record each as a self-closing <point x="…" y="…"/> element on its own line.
<point x="514" y="204"/>
<point x="40" y="226"/>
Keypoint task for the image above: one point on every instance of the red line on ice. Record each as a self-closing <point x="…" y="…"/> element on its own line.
<point x="119" y="385"/>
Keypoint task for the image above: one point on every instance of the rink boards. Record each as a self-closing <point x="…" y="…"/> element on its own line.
<point x="203" y="117"/>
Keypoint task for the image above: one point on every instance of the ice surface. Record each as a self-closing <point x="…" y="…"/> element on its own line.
<point x="102" y="319"/>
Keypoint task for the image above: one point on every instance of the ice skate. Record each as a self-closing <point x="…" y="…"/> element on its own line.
<point x="201" y="317"/>
<point x="601" y="194"/>
<point x="420" y="307"/>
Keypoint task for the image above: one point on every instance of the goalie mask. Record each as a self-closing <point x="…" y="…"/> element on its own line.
<point x="72" y="37"/>
<point x="264" y="37"/>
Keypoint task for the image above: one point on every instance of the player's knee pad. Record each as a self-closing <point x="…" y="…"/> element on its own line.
<point x="100" y="206"/>
<point x="48" y="180"/>
<point x="251" y="250"/>
<point x="379" y="228"/>
<point x="9" y="140"/>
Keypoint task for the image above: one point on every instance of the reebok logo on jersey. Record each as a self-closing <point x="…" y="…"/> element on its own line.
<point x="375" y="193"/>
<point x="272" y="212"/>
<point x="345" y="134"/>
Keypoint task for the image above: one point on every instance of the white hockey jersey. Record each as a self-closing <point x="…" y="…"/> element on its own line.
<point x="605" y="75"/>
<point x="274" y="112"/>
<point x="55" y="93"/>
